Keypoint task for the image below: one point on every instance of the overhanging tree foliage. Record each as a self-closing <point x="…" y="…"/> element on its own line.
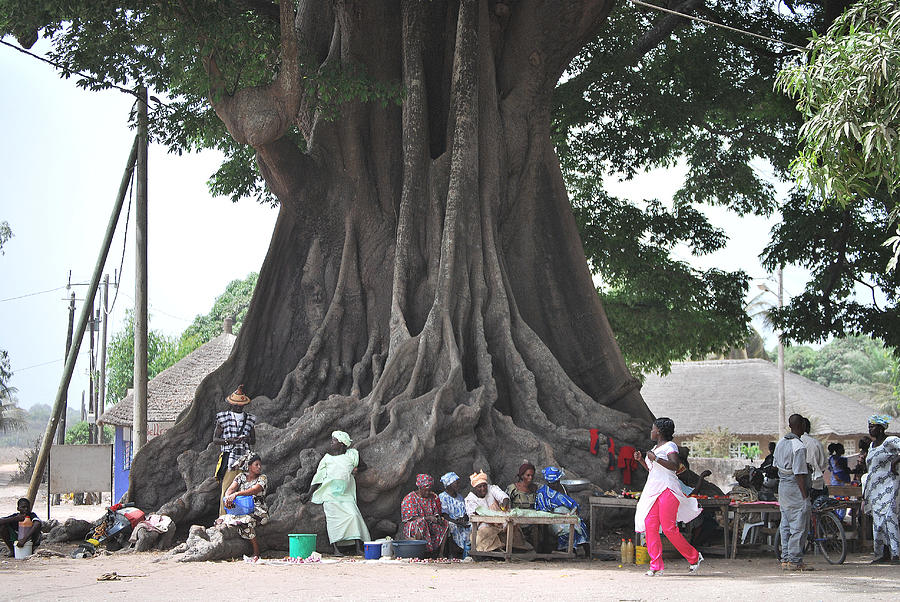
<point x="426" y="289"/>
<point x="232" y="303"/>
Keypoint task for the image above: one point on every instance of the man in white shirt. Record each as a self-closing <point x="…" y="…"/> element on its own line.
<point x="793" y="496"/>
<point x="817" y="460"/>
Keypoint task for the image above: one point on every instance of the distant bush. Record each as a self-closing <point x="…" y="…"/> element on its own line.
<point x="26" y="464"/>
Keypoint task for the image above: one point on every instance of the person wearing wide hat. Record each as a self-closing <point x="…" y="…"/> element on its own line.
<point x="235" y="432"/>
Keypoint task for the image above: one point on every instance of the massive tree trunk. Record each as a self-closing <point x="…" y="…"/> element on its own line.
<point x="425" y="289"/>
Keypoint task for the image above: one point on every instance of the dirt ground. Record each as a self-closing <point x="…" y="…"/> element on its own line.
<point x="145" y="576"/>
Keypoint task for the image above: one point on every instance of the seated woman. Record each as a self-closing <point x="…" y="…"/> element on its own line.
<point x="522" y="492"/>
<point x="521" y="495"/>
<point x="837" y="465"/>
<point x="491" y="536"/>
<point x="453" y="507"/>
<point x="550" y="498"/>
<point x="334" y="487"/>
<point x="420" y="515"/>
<point x="251" y="482"/>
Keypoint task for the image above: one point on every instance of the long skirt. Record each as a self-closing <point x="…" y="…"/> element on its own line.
<point x="432" y="533"/>
<point x="344" y="522"/>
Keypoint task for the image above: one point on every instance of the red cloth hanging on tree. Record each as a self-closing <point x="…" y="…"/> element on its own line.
<point x="627" y="462"/>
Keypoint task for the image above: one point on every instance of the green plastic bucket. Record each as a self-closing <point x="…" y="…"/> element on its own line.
<point x="301" y="545"/>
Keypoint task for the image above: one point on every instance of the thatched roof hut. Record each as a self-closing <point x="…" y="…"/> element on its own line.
<point x="742" y="396"/>
<point x="172" y="390"/>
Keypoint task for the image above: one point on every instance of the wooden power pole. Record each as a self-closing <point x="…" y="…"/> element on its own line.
<point x="139" y="423"/>
<point x="101" y="392"/>
<point x="40" y="463"/>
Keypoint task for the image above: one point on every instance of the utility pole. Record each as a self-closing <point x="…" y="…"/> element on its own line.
<point x="40" y="462"/>
<point x="140" y="281"/>
<point x="61" y="428"/>
<point x="101" y="394"/>
<point x="782" y="423"/>
<point x="92" y="368"/>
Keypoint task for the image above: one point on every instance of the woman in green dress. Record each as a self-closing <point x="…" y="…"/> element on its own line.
<point x="334" y="487"/>
<point x="521" y="493"/>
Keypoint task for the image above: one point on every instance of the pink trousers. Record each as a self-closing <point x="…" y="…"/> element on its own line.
<point x="663" y="512"/>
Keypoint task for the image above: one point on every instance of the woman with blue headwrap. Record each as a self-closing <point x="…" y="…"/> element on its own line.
<point x="552" y="498"/>
<point x="334" y="487"/>
<point x="454" y="509"/>
<point x="881" y="491"/>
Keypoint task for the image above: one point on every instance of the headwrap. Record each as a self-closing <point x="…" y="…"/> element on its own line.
<point x="243" y="462"/>
<point x="478" y="478"/>
<point x="342" y="437"/>
<point x="424" y="480"/>
<point x="526" y="465"/>
<point x="450" y="477"/>
<point x="552" y="474"/>
<point x="238" y="398"/>
<point x="880" y="419"/>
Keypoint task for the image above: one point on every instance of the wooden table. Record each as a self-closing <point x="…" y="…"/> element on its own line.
<point x="512" y="521"/>
<point x="600" y="504"/>
<point x="764" y="508"/>
<point x="857" y="532"/>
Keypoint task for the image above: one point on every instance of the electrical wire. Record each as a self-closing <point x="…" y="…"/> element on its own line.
<point x="79" y="73"/>
<point x="124" y="245"/>
<point x="714" y="24"/>
<point x="49" y="290"/>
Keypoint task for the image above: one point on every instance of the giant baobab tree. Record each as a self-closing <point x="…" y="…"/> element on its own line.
<point x="425" y="288"/>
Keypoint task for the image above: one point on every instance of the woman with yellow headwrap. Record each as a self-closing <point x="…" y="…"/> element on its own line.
<point x="491" y="536"/>
<point x="334" y="487"/>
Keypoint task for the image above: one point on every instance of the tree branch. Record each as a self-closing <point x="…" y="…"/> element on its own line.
<point x="257" y="116"/>
<point x="652" y="38"/>
<point x="660" y="32"/>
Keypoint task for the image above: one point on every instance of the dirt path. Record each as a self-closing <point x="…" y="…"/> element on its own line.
<point x="144" y="579"/>
<point x="11" y="492"/>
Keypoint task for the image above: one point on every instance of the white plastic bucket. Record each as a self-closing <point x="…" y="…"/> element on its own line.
<point x="23" y="552"/>
<point x="387" y="550"/>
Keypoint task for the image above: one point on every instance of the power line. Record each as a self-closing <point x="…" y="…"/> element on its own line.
<point x="17" y="370"/>
<point x="49" y="290"/>
<point x="65" y="69"/>
<point x="124" y="245"/>
<point x="714" y="24"/>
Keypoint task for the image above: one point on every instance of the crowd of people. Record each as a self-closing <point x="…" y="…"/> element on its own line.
<point x="801" y="462"/>
<point x="443" y="519"/>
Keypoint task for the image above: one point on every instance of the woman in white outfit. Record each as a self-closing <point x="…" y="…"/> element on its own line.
<point x="663" y="502"/>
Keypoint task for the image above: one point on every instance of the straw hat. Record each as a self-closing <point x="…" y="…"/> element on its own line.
<point x="238" y="398"/>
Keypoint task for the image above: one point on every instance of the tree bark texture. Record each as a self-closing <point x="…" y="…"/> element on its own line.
<point x="425" y="289"/>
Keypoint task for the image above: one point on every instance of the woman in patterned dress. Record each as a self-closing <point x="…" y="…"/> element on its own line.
<point x="252" y="482"/>
<point x="420" y="513"/>
<point x="454" y="508"/>
<point x="881" y="490"/>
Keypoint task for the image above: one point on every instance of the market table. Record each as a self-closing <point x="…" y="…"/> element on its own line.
<point x="743" y="508"/>
<point x="602" y="503"/>
<point x="512" y="521"/>
<point x="857" y="532"/>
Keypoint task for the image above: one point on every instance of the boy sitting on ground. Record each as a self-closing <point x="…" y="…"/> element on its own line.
<point x="9" y="527"/>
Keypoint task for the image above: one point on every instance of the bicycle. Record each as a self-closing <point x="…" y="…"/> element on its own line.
<point x="825" y="532"/>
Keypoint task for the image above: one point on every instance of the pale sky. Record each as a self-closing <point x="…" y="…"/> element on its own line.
<point x="62" y="157"/>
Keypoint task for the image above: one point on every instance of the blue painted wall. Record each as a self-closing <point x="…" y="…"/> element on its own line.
<point x="121" y="463"/>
